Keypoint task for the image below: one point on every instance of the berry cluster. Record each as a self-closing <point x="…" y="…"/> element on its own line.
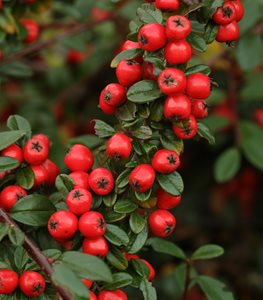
<point x="227" y="17"/>
<point x="31" y="283"/>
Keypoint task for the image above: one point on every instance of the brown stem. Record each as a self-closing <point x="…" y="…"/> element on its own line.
<point x="36" y="254"/>
<point x="187" y="278"/>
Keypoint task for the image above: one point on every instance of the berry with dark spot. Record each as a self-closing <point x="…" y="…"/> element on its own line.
<point x="162" y="223"/>
<point x="186" y="130"/>
<point x="101" y="181"/>
<point x="177" y="108"/>
<point x="165" y="161"/>
<point x="172" y="81"/>
<point x="92" y="225"/>
<point x="142" y="178"/>
<point x="79" y="201"/>
<point x="32" y="284"/>
<point x="10" y="195"/>
<point x="178" y="27"/>
<point x="8" y="281"/>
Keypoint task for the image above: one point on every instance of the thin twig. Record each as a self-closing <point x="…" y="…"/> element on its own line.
<point x="187" y="278"/>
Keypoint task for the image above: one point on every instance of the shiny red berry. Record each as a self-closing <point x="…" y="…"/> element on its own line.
<point x="52" y="170"/>
<point x="97" y="247"/>
<point x="75" y="57"/>
<point x="119" y="146"/>
<point x="8" y="281"/>
<point x="198" y="86"/>
<point x="172" y="81"/>
<point x="35" y="151"/>
<point x="44" y="138"/>
<point x="32" y="284"/>
<point x="81" y="179"/>
<point x="40" y="175"/>
<point x="142" y="178"/>
<point x="101" y="181"/>
<point x="129" y="45"/>
<point x="165" y="161"/>
<point x="113" y="94"/>
<point x="128" y="72"/>
<point x="62" y="225"/>
<point x="228" y="33"/>
<point x="10" y="195"/>
<point x="112" y="295"/>
<point x="167" y="5"/>
<point x="148" y="71"/>
<point x="79" y="201"/>
<point x="151" y="269"/>
<point x="92" y="225"/>
<point x="167" y="201"/>
<point x="79" y="158"/>
<point x="88" y="283"/>
<point x="129" y="256"/>
<point x="32" y="30"/>
<point x="225" y="14"/>
<point x="178" y="27"/>
<point x="152" y="37"/>
<point x="199" y="108"/>
<point x="92" y="296"/>
<point x="177" y="107"/>
<point x="187" y="130"/>
<point x="15" y="152"/>
<point x="161" y="223"/>
<point x="105" y="107"/>
<point x="178" y="52"/>
<point x="239" y="8"/>
<point x="258" y="116"/>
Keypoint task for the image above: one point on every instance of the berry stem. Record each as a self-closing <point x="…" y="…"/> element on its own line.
<point x="187" y="278"/>
<point x="35" y="253"/>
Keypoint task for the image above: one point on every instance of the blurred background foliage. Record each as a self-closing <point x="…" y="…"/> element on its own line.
<point x="55" y="83"/>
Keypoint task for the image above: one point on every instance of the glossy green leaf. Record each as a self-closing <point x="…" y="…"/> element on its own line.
<point x="148" y="290"/>
<point x="205" y="133"/>
<point x="117" y="259"/>
<point x="207" y="252"/>
<point x="197" y="42"/>
<point x="25" y="177"/>
<point x="144" y="91"/>
<point x="8" y="138"/>
<point x="116" y="235"/>
<point x="119" y="280"/>
<point x="125" y="206"/>
<point x="126" y="54"/>
<point x="198" y="69"/>
<point x="8" y="163"/>
<point x="172" y="183"/>
<point x="137" y="241"/>
<point x="137" y="222"/>
<point x="103" y="129"/>
<point x="64" y="184"/>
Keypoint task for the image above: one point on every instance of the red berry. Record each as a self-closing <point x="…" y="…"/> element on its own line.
<point x="32" y="284"/>
<point x="35" y="151"/>
<point x="88" y="283"/>
<point x="166" y="201"/>
<point x="178" y="27"/>
<point x="13" y="151"/>
<point x="105" y="107"/>
<point x="152" y="37"/>
<point x="113" y="94"/>
<point x="161" y="223"/>
<point x="98" y="247"/>
<point x="152" y="271"/>
<point x="45" y="139"/>
<point x="10" y="195"/>
<point x="198" y="86"/>
<point x="128" y="45"/>
<point x="40" y="175"/>
<point x="119" y="146"/>
<point x="199" y="108"/>
<point x="128" y="72"/>
<point x="81" y="179"/>
<point x="148" y="71"/>
<point x="228" y="33"/>
<point x="165" y="161"/>
<point x="177" y="107"/>
<point x="258" y="116"/>
<point x="101" y="181"/>
<point x="32" y="30"/>
<point x="186" y="131"/>
<point x="172" y="81"/>
<point x="62" y="225"/>
<point x="79" y="201"/>
<point x="129" y="256"/>
<point x="178" y="52"/>
<point x="92" y="296"/>
<point x="52" y="170"/>
<point x="225" y="14"/>
<point x="142" y="178"/>
<point x="79" y="158"/>
<point x="76" y="57"/>
<point x="92" y="225"/>
<point x="8" y="281"/>
<point x="112" y="295"/>
<point x="167" y="5"/>
<point x="239" y="8"/>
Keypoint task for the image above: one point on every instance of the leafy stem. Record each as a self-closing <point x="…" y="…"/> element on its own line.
<point x="187" y="278"/>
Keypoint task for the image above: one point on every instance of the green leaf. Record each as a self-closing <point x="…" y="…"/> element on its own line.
<point x="110" y="199"/>
<point x="148" y="290"/>
<point x="137" y="222"/>
<point x="125" y="206"/>
<point x="198" y="69"/>
<point x="143" y="196"/>
<point x="123" y="179"/>
<point x="252" y="143"/>
<point x="25" y="178"/>
<point x="209" y="7"/>
<point x="205" y="133"/>
<point x="20" y="257"/>
<point x="150" y="16"/>
<point x="166" y="247"/>
<point x="172" y="183"/>
<point x="143" y="133"/>
<point x="113" y="217"/>
<point x="65" y="277"/>
<point x="140" y="268"/>
<point x="137" y="241"/>
<point x="172" y="143"/>
<point x="227" y="165"/>
<point x="64" y="184"/>
<point x="211" y="30"/>
<point x="52" y="253"/>
<point x="115" y="235"/>
<point x="87" y="266"/>
<point x="117" y="259"/>
<point x="16" y="122"/>
<point x="119" y="280"/>
<point x="197" y="42"/>
<point x="216" y="123"/>
<point x="33" y="210"/>
<point x="207" y="252"/>
<point x="126" y="112"/>
<point x="16" y="236"/>
<point x="16" y="69"/>
<point x="8" y="138"/>
<point x="126" y="54"/>
<point x="103" y="130"/>
<point x="214" y="289"/>
<point x="144" y="91"/>
<point x="8" y="163"/>
<point x="3" y="230"/>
